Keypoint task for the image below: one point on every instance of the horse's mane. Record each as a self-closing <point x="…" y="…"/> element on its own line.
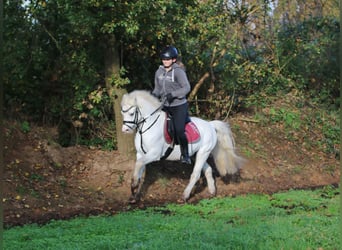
<point x="142" y="94"/>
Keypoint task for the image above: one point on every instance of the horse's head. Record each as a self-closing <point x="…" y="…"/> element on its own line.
<point x="135" y="106"/>
<point x="130" y="119"/>
<point x="130" y="113"/>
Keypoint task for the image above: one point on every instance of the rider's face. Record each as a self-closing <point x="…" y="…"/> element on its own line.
<point x="168" y="62"/>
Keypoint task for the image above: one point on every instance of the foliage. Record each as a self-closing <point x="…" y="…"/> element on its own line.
<point x="91" y="123"/>
<point x="25" y="127"/>
<point x="297" y="118"/>
<point x="304" y="46"/>
<point x="55" y="50"/>
<point x="291" y="119"/>
<point x="331" y="130"/>
<point x="289" y="220"/>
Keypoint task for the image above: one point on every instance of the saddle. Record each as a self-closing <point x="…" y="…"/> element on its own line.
<point x="191" y="131"/>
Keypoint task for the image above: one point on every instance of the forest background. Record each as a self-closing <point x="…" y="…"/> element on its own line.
<point x="67" y="63"/>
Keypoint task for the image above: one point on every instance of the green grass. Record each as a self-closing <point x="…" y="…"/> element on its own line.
<point x="290" y="220"/>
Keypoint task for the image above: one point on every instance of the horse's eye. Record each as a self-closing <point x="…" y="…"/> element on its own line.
<point x="124" y="111"/>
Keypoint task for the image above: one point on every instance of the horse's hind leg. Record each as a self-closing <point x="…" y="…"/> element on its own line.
<point x="196" y="173"/>
<point x="208" y="172"/>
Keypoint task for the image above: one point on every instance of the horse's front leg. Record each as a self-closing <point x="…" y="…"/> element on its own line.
<point x="137" y="181"/>
<point x="139" y="172"/>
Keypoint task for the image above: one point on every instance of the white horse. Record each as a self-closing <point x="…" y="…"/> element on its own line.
<point x="142" y="113"/>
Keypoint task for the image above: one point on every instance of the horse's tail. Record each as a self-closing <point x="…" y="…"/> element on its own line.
<point x="226" y="160"/>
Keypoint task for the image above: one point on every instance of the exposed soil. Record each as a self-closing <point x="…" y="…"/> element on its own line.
<point x="43" y="181"/>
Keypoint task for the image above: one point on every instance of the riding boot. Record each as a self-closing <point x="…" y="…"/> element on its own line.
<point x="185" y="158"/>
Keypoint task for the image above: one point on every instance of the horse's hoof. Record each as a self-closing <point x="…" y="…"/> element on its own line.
<point x="212" y="194"/>
<point x="181" y="201"/>
<point x="186" y="195"/>
<point x="132" y="200"/>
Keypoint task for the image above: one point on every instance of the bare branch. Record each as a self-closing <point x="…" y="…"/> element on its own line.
<point x="198" y="85"/>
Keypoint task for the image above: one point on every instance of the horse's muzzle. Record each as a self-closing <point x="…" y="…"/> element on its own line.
<point x="127" y="130"/>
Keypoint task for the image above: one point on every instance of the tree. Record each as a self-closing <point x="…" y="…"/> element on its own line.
<point x="72" y="40"/>
<point x="113" y="81"/>
<point x="68" y="62"/>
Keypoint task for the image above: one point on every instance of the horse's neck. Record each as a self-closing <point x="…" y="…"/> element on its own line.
<point x="154" y="123"/>
<point x="148" y="110"/>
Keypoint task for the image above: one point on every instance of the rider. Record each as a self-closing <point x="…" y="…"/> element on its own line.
<point x="172" y="84"/>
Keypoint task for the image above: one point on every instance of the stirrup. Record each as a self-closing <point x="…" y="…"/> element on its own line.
<point x="185" y="159"/>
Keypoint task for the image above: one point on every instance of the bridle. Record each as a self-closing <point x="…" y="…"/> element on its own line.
<point x="139" y="121"/>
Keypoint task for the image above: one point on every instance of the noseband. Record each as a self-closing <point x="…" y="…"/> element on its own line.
<point x="136" y="117"/>
<point x="140" y="122"/>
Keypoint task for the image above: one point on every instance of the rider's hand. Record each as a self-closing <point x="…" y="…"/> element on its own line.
<point x="169" y="98"/>
<point x="155" y="95"/>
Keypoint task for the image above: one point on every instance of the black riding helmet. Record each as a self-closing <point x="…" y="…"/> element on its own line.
<point x="169" y="52"/>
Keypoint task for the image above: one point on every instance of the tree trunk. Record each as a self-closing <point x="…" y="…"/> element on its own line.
<point x="125" y="142"/>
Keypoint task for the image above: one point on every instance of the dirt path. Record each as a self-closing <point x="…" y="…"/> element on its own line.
<point x="43" y="181"/>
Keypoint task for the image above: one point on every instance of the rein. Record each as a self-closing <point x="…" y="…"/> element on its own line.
<point x="140" y="123"/>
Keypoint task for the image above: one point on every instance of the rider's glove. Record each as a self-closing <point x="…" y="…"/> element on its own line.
<point x="169" y="98"/>
<point x="155" y="95"/>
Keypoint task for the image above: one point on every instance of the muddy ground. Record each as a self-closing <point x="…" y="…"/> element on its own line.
<point x="44" y="181"/>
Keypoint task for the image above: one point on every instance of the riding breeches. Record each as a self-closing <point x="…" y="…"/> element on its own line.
<point x="180" y="117"/>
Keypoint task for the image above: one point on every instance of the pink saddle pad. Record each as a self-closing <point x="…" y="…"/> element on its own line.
<point x="191" y="132"/>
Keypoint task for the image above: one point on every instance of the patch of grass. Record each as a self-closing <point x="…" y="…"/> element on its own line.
<point x="297" y="169"/>
<point x="289" y="220"/>
<point x="121" y="178"/>
<point x="247" y="152"/>
<point x="25" y="127"/>
<point x="290" y="118"/>
<point x="57" y="165"/>
<point x="21" y="190"/>
<point x="329" y="125"/>
<point x="163" y="181"/>
<point x="332" y="137"/>
<point x="35" y="194"/>
<point x="254" y="149"/>
<point x="293" y="201"/>
<point x="313" y="125"/>
<point x="328" y="192"/>
<point x="62" y="181"/>
<point x="330" y="169"/>
<point x="36" y="177"/>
